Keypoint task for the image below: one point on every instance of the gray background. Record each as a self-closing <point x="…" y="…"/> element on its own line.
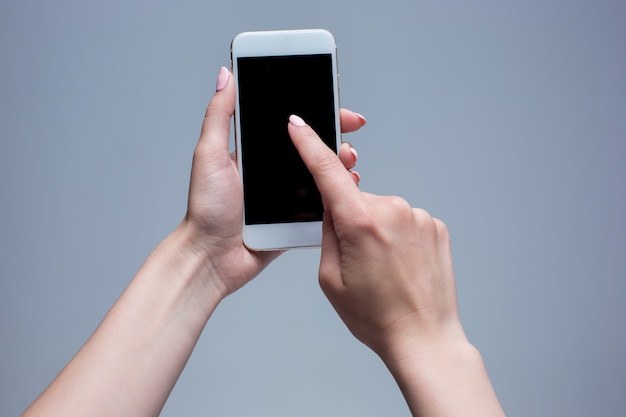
<point x="505" y="119"/>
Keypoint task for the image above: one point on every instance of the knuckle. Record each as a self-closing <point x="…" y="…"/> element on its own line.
<point x="424" y="221"/>
<point x="211" y="111"/>
<point x="431" y="225"/>
<point x="323" y="161"/>
<point x="443" y="233"/>
<point x="398" y="209"/>
<point x="399" y="205"/>
<point x="421" y="214"/>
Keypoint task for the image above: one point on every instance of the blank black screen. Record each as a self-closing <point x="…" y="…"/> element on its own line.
<point x="278" y="188"/>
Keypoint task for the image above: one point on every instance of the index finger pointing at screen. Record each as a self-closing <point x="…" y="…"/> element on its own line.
<point x="334" y="182"/>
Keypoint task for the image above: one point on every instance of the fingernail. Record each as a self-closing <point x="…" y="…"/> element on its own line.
<point x="356" y="177"/>
<point x="222" y="79"/>
<point x="296" y="121"/>
<point x="354" y="152"/>
<point x="361" y="118"/>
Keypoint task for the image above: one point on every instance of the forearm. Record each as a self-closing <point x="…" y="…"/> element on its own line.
<point x="446" y="382"/>
<point x="132" y="361"/>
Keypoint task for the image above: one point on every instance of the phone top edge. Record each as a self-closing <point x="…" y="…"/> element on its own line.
<point x="283" y="42"/>
<point x="287" y="32"/>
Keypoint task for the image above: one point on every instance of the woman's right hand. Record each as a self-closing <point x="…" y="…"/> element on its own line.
<point x="387" y="270"/>
<point x="385" y="267"/>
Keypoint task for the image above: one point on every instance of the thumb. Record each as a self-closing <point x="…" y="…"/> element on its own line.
<point x="216" y="126"/>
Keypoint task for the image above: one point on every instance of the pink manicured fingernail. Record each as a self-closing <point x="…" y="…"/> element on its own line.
<point x="361" y="118"/>
<point x="296" y="120"/>
<point x="222" y="79"/>
<point x="354" y="152"/>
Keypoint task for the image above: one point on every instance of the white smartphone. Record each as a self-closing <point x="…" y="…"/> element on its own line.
<point x="279" y="73"/>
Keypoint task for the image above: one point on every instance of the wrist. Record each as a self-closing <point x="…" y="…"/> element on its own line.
<point x="423" y="346"/>
<point x="145" y="340"/>
<point x="445" y="376"/>
<point x="190" y="270"/>
<point x="412" y="337"/>
<point x="427" y="358"/>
